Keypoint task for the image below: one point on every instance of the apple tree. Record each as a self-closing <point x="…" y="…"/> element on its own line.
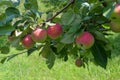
<point x="58" y="29"/>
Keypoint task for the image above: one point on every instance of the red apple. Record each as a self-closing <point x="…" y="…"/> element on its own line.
<point x="39" y="35"/>
<point x="78" y="62"/>
<point x="27" y="41"/>
<point x="117" y="8"/>
<point x="54" y="31"/>
<point x="86" y="40"/>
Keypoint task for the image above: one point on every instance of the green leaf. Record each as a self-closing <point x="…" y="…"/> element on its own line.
<point x="30" y="51"/>
<point x="9" y="14"/>
<point x="54" y="49"/>
<point x="99" y="54"/>
<point x="65" y="58"/>
<point x="74" y="28"/>
<point x="12" y="12"/>
<point x="77" y="20"/>
<point x="67" y="18"/>
<point x="96" y="9"/>
<point x="100" y="36"/>
<point x="5" y="2"/>
<point x="50" y="59"/>
<point x="5" y="49"/>
<point x="2" y="19"/>
<point x="31" y="4"/>
<point x="7" y="58"/>
<point x="47" y="53"/>
<point x="19" y="47"/>
<point x="11" y="56"/>
<point x="68" y="38"/>
<point x="18" y="22"/>
<point x="100" y="19"/>
<point x="3" y="60"/>
<point x="4" y="41"/>
<point x="109" y="10"/>
<point x="10" y="2"/>
<point x="7" y="29"/>
<point x="59" y="47"/>
<point x="63" y="52"/>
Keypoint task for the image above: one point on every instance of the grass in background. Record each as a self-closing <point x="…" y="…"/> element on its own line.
<point x="34" y="68"/>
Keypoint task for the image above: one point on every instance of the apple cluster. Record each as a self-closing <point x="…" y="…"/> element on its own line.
<point x="39" y="35"/>
<point x="85" y="39"/>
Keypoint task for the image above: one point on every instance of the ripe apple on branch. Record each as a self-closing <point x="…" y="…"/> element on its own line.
<point x="78" y="29"/>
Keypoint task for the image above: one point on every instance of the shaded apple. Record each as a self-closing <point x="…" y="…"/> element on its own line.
<point x="39" y="35"/>
<point x="54" y="31"/>
<point x="86" y="40"/>
<point x="27" y="41"/>
<point x="78" y="62"/>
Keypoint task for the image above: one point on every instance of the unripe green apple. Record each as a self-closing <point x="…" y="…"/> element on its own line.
<point x="78" y="62"/>
<point x="54" y="31"/>
<point x="27" y="41"/>
<point x="39" y="35"/>
<point x="86" y="40"/>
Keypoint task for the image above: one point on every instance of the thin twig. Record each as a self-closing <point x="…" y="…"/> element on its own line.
<point x="57" y="13"/>
<point x="15" y="54"/>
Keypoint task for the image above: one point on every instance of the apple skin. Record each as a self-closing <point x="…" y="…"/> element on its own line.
<point x="39" y="35"/>
<point x="27" y="41"/>
<point x="86" y="40"/>
<point x="78" y="62"/>
<point x="54" y="31"/>
<point x="115" y="27"/>
<point x="117" y="8"/>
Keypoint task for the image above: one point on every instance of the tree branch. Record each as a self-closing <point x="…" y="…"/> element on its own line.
<point x="7" y="58"/>
<point x="18" y="53"/>
<point x="57" y="13"/>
